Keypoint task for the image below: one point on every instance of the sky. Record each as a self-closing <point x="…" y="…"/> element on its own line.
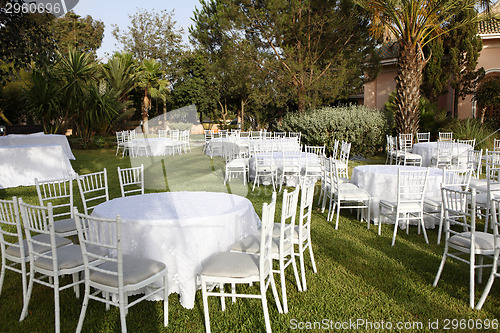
<point x="117" y="12"/>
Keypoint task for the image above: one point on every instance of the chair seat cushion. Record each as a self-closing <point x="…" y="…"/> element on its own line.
<point x="37" y="248"/>
<point x="484" y="187"/>
<point x="478" y="184"/>
<point x="135" y="270"/>
<point x="411" y="156"/>
<point x="482" y="197"/>
<point x="232" y="264"/>
<point x="251" y="244"/>
<point x="238" y="163"/>
<point x="482" y="240"/>
<point x="64" y="226"/>
<point x="352" y="193"/>
<point x="403" y="206"/>
<point x="68" y="257"/>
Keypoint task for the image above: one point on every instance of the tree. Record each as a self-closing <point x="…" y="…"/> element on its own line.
<point x="314" y="50"/>
<point x="26" y="41"/>
<point x="414" y="23"/>
<point x="436" y="73"/>
<point x="151" y="35"/>
<point x="73" y="31"/>
<point x="487" y="97"/>
<point x="463" y="45"/>
<point x="121" y="74"/>
<point x="149" y="79"/>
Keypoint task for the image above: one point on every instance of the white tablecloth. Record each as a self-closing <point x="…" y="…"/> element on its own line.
<point x="381" y="181"/>
<point x="181" y="229"/>
<point x="20" y="165"/>
<point x="155" y="145"/>
<point x="37" y="139"/>
<point x="255" y="144"/>
<point x="429" y="149"/>
<point x="311" y="159"/>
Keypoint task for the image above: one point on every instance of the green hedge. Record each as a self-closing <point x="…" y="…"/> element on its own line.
<point x="363" y="127"/>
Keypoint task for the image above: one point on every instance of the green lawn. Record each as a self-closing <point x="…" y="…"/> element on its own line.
<point x="361" y="278"/>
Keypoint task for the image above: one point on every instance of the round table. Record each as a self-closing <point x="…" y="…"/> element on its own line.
<point x="381" y="181"/>
<point x="181" y="229"/>
<point x="428" y="150"/>
<point x="156" y="146"/>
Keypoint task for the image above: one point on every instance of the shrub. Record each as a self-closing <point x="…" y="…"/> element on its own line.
<point x="363" y="127"/>
<point x="467" y="129"/>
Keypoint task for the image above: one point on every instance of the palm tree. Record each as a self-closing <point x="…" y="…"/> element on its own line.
<point x="151" y="74"/>
<point x="414" y="23"/>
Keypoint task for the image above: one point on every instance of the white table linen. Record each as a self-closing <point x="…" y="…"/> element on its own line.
<point x="20" y="165"/>
<point x="181" y="229"/>
<point x="37" y="139"/>
<point x="381" y="181"/>
<point x="256" y="144"/>
<point x="155" y="145"/>
<point x="428" y="150"/>
<point x="310" y="159"/>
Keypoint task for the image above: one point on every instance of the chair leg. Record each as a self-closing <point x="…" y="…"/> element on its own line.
<point x="205" y="305"/>
<point x="28" y="296"/>
<point x="264" y="307"/>
<point x="295" y="271"/>
<point x="441" y="218"/>
<point x="487" y="288"/>
<point x="472" y="263"/>
<point x="56" y="304"/>
<point x="302" y="265"/>
<point x="395" y="229"/>
<point x="2" y="276"/>
<point x="423" y="229"/>
<point x="441" y="265"/>
<point x="84" y="308"/>
<point x="165" y="301"/>
<point x="338" y="216"/>
<point x="311" y="254"/>
<point x="272" y="282"/>
<point x="283" y="286"/>
<point x="222" y="298"/>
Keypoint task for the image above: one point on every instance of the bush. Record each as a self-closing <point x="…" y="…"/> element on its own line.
<point x="467" y="129"/>
<point x="363" y="127"/>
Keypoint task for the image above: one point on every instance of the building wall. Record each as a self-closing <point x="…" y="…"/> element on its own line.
<point x="377" y="91"/>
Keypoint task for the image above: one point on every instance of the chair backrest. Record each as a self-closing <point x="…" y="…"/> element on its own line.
<point x="424" y="137"/>
<point x="457" y="179"/>
<point x="59" y="193"/>
<point x="459" y="212"/>
<point x="474" y="161"/>
<point x="471" y="143"/>
<point x="411" y="185"/>
<point x="93" y="189"/>
<point x="119" y="137"/>
<point x="306" y="208"/>
<point x="162" y="133"/>
<point x="39" y="220"/>
<point x="495" y="218"/>
<point x="101" y="240"/>
<point x="405" y="142"/>
<point x="444" y="150"/>
<point x="345" y="149"/>
<point x="11" y="231"/>
<point x="318" y="150"/>
<point x="256" y="134"/>
<point x="130" y="178"/>
<point x="496" y="145"/>
<point x="288" y="214"/>
<point x="279" y="134"/>
<point x="335" y="151"/>
<point x="339" y="172"/>
<point x="266" y="238"/>
<point x="445" y="136"/>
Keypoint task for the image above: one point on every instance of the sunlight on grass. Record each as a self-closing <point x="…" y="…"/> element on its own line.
<point x="359" y="274"/>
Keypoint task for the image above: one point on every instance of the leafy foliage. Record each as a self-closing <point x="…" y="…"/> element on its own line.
<point x="363" y="127"/>
<point x="73" y="31"/>
<point x="487" y="96"/>
<point x="467" y="129"/>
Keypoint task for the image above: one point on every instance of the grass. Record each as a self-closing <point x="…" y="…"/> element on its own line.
<point x="360" y="276"/>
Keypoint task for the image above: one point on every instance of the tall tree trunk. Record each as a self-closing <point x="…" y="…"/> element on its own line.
<point x="146" y="106"/>
<point x="408" y="81"/>
<point x="242" y="113"/>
